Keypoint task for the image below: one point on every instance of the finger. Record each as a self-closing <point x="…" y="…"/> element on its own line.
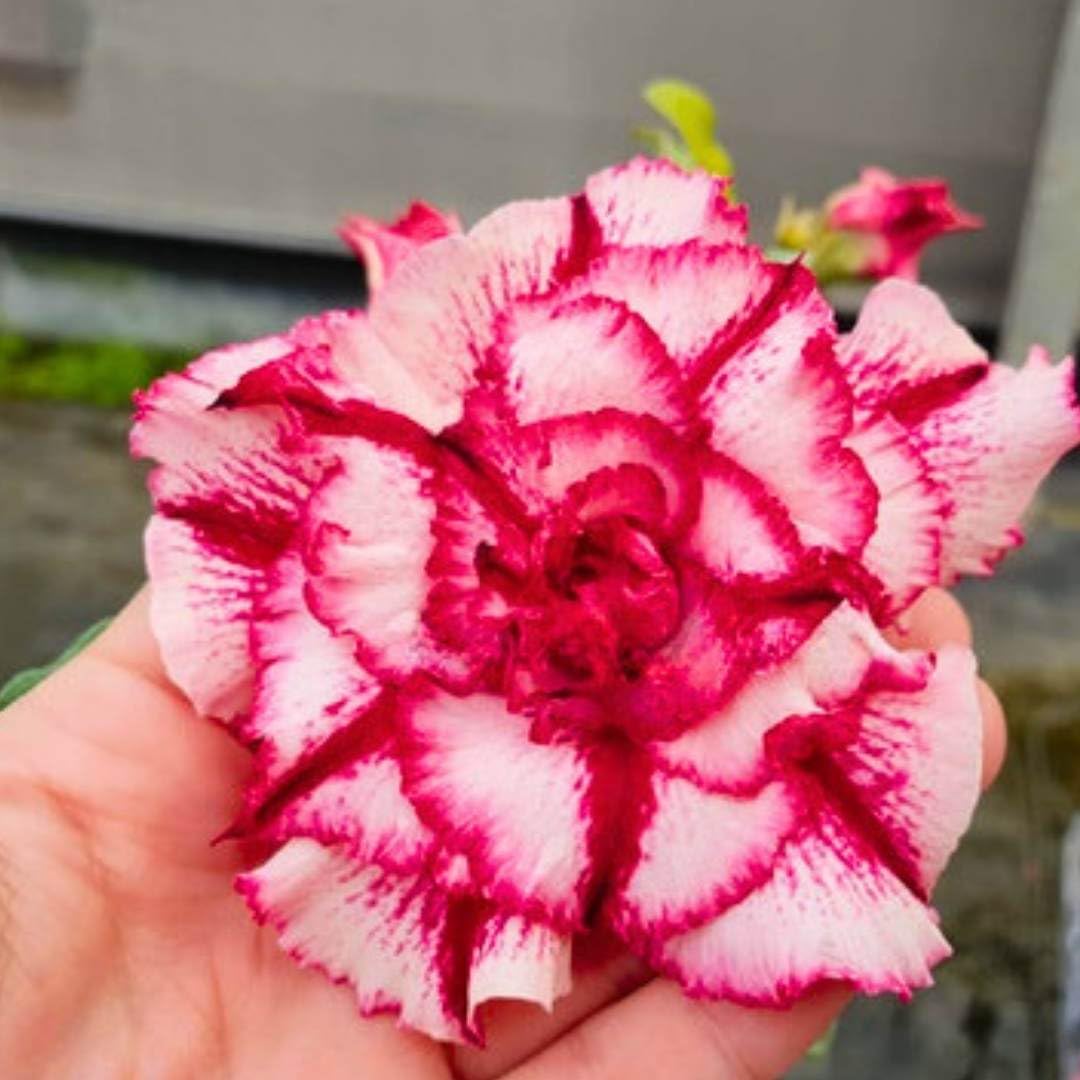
<point x="995" y="737"/>
<point x="112" y="714"/>
<point x="515" y="1031"/>
<point x="129" y="642"/>
<point x="658" y="1031"/>
<point x="937" y="618"/>
<point x="933" y="620"/>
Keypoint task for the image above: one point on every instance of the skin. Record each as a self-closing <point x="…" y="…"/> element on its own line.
<point x="125" y="953"/>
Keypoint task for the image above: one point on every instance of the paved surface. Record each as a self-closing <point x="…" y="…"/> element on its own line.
<point x="73" y="509"/>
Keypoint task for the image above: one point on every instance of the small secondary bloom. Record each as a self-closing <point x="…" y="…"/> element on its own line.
<point x="895" y="219"/>
<point x="549" y="595"/>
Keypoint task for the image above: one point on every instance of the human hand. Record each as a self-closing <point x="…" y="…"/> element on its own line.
<point x="125" y="952"/>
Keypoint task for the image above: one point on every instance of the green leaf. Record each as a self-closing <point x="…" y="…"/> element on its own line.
<point x="662" y="143"/>
<point x="688" y="109"/>
<point x="24" y="681"/>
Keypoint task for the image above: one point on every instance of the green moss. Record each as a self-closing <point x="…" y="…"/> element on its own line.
<point x="93" y="372"/>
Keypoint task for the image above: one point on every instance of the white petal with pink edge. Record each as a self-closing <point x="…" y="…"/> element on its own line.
<point x="518" y="809"/>
<point x="385" y="935"/>
<point x="780" y="408"/>
<point x="436" y="315"/>
<point x="200" y="611"/>
<point x="694" y="296"/>
<point x="555" y="358"/>
<point x="656" y="203"/>
<point x="741" y="530"/>
<point x="310" y="684"/>
<point x="369" y="541"/>
<point x="726" y="752"/>
<point x="904" y="550"/>
<point x="990" y="448"/>
<point x="830" y="911"/>
<point x="196" y="388"/>
<point x="361" y="808"/>
<point x="915" y="764"/>
<point x="904" y="338"/>
<point x="700" y="852"/>
<point x="248" y="468"/>
<point x="550" y="457"/>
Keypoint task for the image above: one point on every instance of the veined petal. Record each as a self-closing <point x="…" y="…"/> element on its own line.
<point x="310" y="684"/>
<point x="555" y="358"/>
<point x="546" y="459"/>
<point x="780" y="408"/>
<point x="906" y="350"/>
<point x="699" y="853"/>
<point x="846" y="652"/>
<point x="742" y="530"/>
<point x="359" y="808"/>
<point x="436" y="315"/>
<point x="831" y="911"/>
<point x="368" y="545"/>
<point x="200" y="610"/>
<point x="696" y="297"/>
<point x="197" y="387"/>
<point x="914" y="766"/>
<point x="654" y="203"/>
<point x="990" y="448"/>
<point x="519" y="810"/>
<point x="390" y="937"/>
<point x="904" y="550"/>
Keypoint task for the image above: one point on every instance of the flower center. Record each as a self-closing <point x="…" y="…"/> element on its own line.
<point x="600" y="598"/>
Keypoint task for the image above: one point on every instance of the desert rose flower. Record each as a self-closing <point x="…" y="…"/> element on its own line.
<point x="549" y="594"/>
<point x="894" y="219"/>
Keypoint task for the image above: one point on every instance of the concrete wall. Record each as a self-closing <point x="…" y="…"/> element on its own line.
<point x="265" y="119"/>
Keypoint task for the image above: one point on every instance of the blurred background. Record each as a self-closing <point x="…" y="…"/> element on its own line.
<point x="170" y="177"/>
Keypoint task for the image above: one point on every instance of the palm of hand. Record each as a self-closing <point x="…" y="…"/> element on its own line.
<point x="124" y="952"/>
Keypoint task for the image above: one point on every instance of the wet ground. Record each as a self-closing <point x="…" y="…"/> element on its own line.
<point x="73" y="509"/>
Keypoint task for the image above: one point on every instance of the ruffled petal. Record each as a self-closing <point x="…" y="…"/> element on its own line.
<point x="906" y="342"/>
<point x="831" y="910"/>
<point x="742" y="530"/>
<point x="555" y="358"/>
<point x="358" y="807"/>
<point x="310" y="684"/>
<point x="197" y="387"/>
<point x="914" y="766"/>
<point x="904" y="550"/>
<point x="368" y="545"/>
<point x="391" y="937"/>
<point x="514" y="958"/>
<point x="519" y="810"/>
<point x="200" y="610"/>
<point x="402" y="943"/>
<point x="382" y="248"/>
<point x="781" y="409"/>
<point x="228" y="492"/>
<point x="843" y="654"/>
<point x="652" y="202"/>
<point x="666" y="287"/>
<point x="990" y="448"/>
<point x="544" y="461"/>
<point x="906" y="350"/>
<point x="699" y="853"/>
<point x="436" y="316"/>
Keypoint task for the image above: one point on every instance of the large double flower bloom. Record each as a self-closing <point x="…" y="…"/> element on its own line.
<point x="549" y="594"/>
